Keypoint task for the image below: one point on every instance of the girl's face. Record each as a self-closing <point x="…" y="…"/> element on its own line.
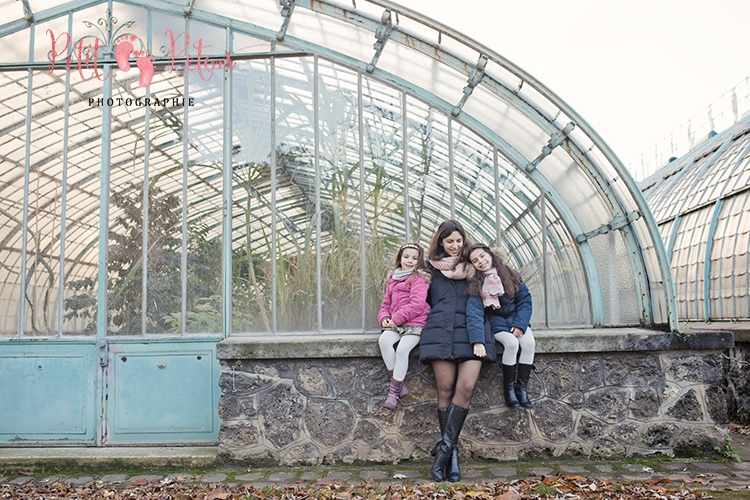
<point x="481" y="260"/>
<point x="453" y="243"/>
<point x="409" y="258"/>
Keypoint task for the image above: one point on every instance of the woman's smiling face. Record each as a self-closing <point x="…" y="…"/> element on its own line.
<point x="453" y="243"/>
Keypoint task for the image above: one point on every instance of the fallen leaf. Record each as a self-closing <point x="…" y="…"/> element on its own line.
<point x="217" y="494"/>
<point x="509" y="495"/>
<point x="399" y="476"/>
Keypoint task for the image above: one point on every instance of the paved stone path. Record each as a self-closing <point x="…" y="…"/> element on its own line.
<point x="696" y="474"/>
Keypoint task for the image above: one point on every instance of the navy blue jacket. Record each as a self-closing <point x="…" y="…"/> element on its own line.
<point x="513" y="311"/>
<point x="445" y="336"/>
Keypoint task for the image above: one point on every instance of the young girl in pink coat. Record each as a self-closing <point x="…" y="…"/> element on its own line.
<point x="402" y="316"/>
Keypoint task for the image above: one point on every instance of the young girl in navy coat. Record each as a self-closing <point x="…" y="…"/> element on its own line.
<point x="402" y="316"/>
<point x="496" y="292"/>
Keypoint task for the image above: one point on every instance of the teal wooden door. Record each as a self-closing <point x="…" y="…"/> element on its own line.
<point x="161" y="392"/>
<point x="116" y="391"/>
<point x="49" y="392"/>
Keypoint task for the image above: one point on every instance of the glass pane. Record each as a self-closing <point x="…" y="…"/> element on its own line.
<point x="204" y="205"/>
<point x="384" y="187"/>
<point x="45" y="207"/>
<point x="297" y="273"/>
<point x="427" y="138"/>
<point x="474" y="185"/>
<point x="568" y="302"/>
<point x="82" y="209"/>
<point x="341" y="226"/>
<point x="251" y="197"/>
<point x="13" y="91"/>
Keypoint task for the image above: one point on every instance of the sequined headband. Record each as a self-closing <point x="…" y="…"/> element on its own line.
<point x="410" y="245"/>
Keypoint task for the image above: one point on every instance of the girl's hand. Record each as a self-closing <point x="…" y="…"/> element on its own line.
<point x="516" y="331"/>
<point x="479" y="350"/>
<point x="388" y="323"/>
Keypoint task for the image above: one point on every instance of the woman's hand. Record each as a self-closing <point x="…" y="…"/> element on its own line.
<point x="479" y="350"/>
<point x="388" y="323"/>
<point x="517" y="332"/>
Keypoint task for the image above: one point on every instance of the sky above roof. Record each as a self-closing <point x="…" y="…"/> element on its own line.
<point x="635" y="70"/>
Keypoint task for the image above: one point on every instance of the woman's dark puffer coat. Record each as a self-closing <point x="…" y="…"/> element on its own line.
<point x="445" y="336"/>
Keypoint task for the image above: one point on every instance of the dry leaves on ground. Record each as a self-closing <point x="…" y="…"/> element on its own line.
<point x="562" y="487"/>
<point x="740" y="429"/>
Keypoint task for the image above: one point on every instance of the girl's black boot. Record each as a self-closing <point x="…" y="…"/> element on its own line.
<point x="509" y="383"/>
<point x="524" y="372"/>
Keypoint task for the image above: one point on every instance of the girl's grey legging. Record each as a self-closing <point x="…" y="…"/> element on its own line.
<point x="397" y="359"/>
<point x="511" y="343"/>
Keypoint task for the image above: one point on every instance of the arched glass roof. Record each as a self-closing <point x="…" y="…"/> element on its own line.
<point x="278" y="154"/>
<point x="701" y="202"/>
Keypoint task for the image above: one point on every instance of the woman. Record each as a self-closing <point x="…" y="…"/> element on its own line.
<point x="498" y="295"/>
<point x="456" y="357"/>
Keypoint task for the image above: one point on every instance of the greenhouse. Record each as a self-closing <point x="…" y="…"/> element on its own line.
<point x="701" y="205"/>
<point x="177" y="174"/>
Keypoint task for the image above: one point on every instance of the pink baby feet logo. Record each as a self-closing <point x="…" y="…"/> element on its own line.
<point x="124" y="50"/>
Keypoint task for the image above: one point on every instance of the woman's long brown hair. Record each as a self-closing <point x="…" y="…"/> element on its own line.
<point x="510" y="277"/>
<point x="445" y="229"/>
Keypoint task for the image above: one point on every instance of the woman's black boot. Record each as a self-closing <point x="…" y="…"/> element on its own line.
<point x="452" y="470"/>
<point x="454" y="421"/>
<point x="524" y="372"/>
<point x="509" y="383"/>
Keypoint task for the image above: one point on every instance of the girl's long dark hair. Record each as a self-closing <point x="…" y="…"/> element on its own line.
<point x="445" y="229"/>
<point x="510" y="277"/>
<point x="420" y="266"/>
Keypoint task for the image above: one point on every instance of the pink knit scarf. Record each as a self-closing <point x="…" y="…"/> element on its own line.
<point x="492" y="288"/>
<point x="450" y="267"/>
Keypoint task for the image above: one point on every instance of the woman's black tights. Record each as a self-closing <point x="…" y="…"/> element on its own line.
<point x="455" y="381"/>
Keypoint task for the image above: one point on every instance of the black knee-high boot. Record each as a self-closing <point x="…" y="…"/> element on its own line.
<point x="509" y="383"/>
<point x="454" y="421"/>
<point x="452" y="470"/>
<point x="524" y="372"/>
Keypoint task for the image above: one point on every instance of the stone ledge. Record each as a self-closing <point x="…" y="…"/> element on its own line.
<point x="355" y="345"/>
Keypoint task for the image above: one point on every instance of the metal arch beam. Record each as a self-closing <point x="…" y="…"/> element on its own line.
<point x="47" y="15"/>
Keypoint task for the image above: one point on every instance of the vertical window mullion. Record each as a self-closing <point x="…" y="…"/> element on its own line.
<point x="25" y="218"/>
<point x="318" y="215"/>
<point x="362" y="220"/>
<point x="64" y="196"/>
<point x="274" y="236"/>
<point x="545" y="285"/>
<point x="498" y="230"/>
<point x="227" y="168"/>
<point x="450" y="168"/>
<point x="185" y="163"/>
<point x="405" y="161"/>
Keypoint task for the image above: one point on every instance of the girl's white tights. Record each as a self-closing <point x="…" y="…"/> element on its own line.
<point x="397" y="359"/>
<point x="511" y="343"/>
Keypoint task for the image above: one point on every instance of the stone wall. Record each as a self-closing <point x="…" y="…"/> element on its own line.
<point x="279" y="406"/>
<point x="738" y="379"/>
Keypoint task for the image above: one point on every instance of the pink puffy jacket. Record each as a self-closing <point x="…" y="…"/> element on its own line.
<point x="405" y="302"/>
